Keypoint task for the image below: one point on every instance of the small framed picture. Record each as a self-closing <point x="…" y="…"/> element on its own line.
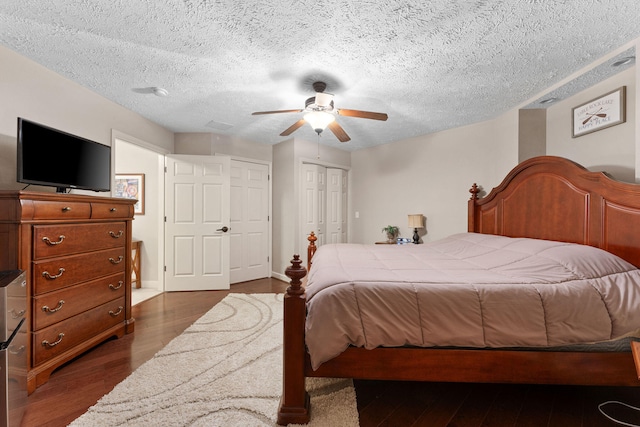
<point x="600" y="113"/>
<point x="131" y="186"/>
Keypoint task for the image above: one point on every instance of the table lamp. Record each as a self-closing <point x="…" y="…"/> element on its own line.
<point x="415" y="222"/>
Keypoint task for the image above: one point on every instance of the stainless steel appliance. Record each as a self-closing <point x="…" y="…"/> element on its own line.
<point x="13" y="343"/>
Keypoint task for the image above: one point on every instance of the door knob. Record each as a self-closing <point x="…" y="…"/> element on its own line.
<point x="224" y="229"/>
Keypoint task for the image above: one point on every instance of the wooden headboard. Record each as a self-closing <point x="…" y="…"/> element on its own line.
<point x="554" y="198"/>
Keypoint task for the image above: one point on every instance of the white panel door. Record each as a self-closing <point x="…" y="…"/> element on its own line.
<point x="197" y="222"/>
<point x="336" y="205"/>
<point x="344" y="206"/>
<point x="313" y="206"/>
<point x="249" y="232"/>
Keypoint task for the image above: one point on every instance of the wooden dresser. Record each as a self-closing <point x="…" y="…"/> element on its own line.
<point x="75" y="250"/>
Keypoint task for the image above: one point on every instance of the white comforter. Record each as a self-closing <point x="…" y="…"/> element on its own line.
<point x="469" y="290"/>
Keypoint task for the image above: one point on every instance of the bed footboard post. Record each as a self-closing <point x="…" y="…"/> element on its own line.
<point x="472" y="216"/>
<point x="294" y="404"/>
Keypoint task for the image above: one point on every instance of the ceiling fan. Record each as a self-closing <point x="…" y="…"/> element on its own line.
<point x="320" y="114"/>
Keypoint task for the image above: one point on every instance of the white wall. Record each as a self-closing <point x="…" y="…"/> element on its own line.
<point x="211" y="143"/>
<point x="611" y="149"/>
<point x="430" y="175"/>
<point x="31" y="91"/>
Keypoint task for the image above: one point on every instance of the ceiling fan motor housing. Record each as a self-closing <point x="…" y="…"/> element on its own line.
<point x="312" y="105"/>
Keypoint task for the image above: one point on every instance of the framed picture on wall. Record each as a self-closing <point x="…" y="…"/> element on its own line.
<point x="600" y="113"/>
<point x="131" y="186"/>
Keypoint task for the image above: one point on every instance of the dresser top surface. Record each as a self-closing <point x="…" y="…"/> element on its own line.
<point x="59" y="197"/>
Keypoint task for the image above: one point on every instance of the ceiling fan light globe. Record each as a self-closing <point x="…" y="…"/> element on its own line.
<point x="319" y="120"/>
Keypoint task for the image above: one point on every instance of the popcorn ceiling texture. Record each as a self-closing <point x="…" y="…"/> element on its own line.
<point x="429" y="65"/>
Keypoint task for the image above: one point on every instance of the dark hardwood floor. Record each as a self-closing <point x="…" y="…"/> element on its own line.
<point x="76" y="386"/>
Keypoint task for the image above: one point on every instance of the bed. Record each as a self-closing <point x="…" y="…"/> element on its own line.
<point x="518" y="238"/>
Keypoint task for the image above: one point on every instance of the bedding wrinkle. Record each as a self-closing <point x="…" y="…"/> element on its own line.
<point x="420" y="317"/>
<point x="364" y="332"/>
<point x="544" y="312"/>
<point x="611" y="317"/>
<point x="482" y="320"/>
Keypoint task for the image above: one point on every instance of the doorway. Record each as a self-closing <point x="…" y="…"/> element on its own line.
<point x="133" y="156"/>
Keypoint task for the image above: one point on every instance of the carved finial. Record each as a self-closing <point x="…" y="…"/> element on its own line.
<point x="312" y="238"/>
<point x="295" y="272"/>
<point x="474" y="190"/>
<point x="311" y="249"/>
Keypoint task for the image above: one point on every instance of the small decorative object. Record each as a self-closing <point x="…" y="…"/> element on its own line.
<point x="131" y="186"/>
<point x="603" y="112"/>
<point x="392" y="232"/>
<point x="415" y="222"/>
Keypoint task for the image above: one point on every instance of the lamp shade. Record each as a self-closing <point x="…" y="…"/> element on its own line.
<point x="415" y="221"/>
<point x="319" y="120"/>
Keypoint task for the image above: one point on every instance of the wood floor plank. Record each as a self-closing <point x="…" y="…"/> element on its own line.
<point x="537" y="407"/>
<point x="384" y="404"/>
<point x="474" y="409"/>
<point x="417" y="397"/>
<point x="443" y="409"/>
<point x="506" y="407"/>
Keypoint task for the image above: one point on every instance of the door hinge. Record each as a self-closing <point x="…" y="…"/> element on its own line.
<point x="165" y="268"/>
<point x="165" y="169"/>
<point x="267" y="259"/>
<point x="165" y="219"/>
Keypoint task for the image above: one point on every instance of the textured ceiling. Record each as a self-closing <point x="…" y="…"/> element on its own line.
<point x="430" y="65"/>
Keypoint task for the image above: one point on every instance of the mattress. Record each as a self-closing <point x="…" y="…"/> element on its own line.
<point x="468" y="290"/>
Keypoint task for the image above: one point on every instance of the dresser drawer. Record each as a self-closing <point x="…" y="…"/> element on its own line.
<point x="43" y="209"/>
<point x="57" y="240"/>
<point x="111" y="210"/>
<point x="59" y="305"/>
<point x="50" y="275"/>
<point x="62" y="336"/>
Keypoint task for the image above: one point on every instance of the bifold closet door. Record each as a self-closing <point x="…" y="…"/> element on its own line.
<point x="323" y="206"/>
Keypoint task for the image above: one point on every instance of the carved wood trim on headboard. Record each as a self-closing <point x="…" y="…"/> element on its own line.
<point x="554" y="198"/>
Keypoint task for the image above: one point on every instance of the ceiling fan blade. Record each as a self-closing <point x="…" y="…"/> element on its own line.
<point x="338" y="131"/>
<point x="293" y="127"/>
<point x="257" y="113"/>
<point x="363" y="114"/>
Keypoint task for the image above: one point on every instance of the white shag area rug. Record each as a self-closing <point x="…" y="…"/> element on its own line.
<point x="224" y="370"/>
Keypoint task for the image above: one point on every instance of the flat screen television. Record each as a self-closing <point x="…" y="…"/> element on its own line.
<point x="51" y="157"/>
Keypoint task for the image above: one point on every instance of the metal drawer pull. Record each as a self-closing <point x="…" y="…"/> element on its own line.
<point x="66" y="209"/>
<point x="113" y="210"/>
<point x="116" y="313"/>
<point x="118" y="261"/>
<point x="116" y="235"/>
<point x="17" y="314"/>
<point x="115" y="288"/>
<point x="46" y="343"/>
<point x="49" y="276"/>
<point x="46" y="308"/>
<point x="50" y="243"/>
